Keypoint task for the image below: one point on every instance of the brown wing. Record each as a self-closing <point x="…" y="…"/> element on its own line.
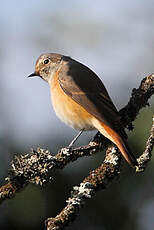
<point x="85" y="87"/>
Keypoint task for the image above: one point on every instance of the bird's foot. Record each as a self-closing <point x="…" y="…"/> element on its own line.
<point x="67" y="150"/>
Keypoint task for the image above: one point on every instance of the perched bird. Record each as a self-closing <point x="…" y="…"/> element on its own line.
<point x="81" y="100"/>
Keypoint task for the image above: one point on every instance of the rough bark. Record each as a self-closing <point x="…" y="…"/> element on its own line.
<point x="34" y="167"/>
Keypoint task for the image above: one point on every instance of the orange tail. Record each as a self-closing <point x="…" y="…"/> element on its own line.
<point x="117" y="140"/>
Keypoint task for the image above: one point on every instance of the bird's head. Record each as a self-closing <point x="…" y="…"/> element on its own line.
<point x="46" y="65"/>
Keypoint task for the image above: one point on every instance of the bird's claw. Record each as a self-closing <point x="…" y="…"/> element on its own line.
<point x="67" y="150"/>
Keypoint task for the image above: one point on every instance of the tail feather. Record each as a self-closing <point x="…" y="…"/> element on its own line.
<point x="120" y="142"/>
<point x="126" y="152"/>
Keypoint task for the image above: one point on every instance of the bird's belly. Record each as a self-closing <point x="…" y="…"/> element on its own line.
<point x="68" y="110"/>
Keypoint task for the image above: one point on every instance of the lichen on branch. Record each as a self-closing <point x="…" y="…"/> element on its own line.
<point x="36" y="166"/>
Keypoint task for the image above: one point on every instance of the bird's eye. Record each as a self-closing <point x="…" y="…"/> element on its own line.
<point x="46" y="61"/>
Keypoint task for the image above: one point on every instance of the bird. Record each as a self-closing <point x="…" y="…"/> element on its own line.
<point x="81" y="100"/>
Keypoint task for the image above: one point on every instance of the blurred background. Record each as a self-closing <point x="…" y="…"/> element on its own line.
<point x="116" y="40"/>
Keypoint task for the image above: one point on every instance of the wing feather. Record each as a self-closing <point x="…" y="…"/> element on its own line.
<point x="85" y="88"/>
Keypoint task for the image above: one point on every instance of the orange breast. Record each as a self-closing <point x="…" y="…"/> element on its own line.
<point x="68" y="110"/>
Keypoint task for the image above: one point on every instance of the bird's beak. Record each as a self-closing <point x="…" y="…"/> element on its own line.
<point x="33" y="75"/>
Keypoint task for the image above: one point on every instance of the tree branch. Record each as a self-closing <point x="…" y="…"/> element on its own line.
<point x="97" y="179"/>
<point x="34" y="167"/>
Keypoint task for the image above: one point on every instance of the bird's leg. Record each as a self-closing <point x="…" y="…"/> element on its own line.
<point x="68" y="149"/>
<point x="74" y="139"/>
